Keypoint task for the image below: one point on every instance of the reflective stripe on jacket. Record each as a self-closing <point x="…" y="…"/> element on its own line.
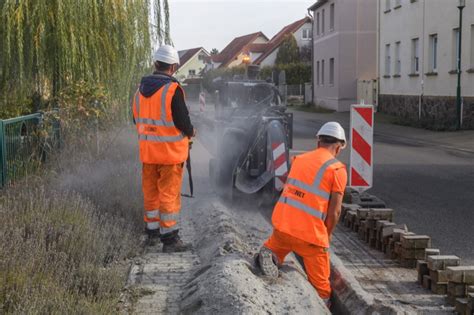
<point x="160" y="141"/>
<point x="303" y="205"/>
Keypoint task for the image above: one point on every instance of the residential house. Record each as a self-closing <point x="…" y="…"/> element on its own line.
<point x="233" y="54"/>
<point x="344" y="50"/>
<point x="418" y="53"/>
<point x="192" y="63"/>
<point x="301" y="30"/>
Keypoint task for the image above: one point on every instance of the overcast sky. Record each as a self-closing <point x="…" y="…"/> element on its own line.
<point x="214" y="23"/>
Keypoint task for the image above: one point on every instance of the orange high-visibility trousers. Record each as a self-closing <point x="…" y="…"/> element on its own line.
<point x="315" y="258"/>
<point x="162" y="196"/>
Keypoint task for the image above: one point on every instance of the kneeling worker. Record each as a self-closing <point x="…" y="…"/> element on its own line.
<point x="308" y="210"/>
<point x="164" y="130"/>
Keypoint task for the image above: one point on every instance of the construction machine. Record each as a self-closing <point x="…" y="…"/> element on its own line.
<point x="253" y="136"/>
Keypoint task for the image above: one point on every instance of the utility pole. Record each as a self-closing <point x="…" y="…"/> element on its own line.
<point x="462" y="4"/>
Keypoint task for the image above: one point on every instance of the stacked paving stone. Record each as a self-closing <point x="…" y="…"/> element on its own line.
<point x="422" y="267"/>
<point x="442" y="274"/>
<point x="437" y="280"/>
<point x="412" y="248"/>
<point x="460" y="288"/>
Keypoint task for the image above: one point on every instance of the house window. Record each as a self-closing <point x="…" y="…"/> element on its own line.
<point x="472" y="46"/>
<point x="322" y="21"/>
<point x="455" y="49"/>
<point x="317" y="73"/>
<point x="201" y="57"/>
<point x="322" y="72"/>
<point x="192" y="72"/>
<point x="387" y="5"/>
<point x="398" y="62"/>
<point x="415" y="55"/>
<point x="433" y="53"/>
<point x="307" y="33"/>
<point x="387" y="59"/>
<point x="317" y="24"/>
<point x="331" y="71"/>
<point x="331" y="17"/>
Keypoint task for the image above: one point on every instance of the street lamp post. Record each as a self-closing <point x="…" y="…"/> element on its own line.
<point x="246" y="61"/>
<point x="462" y="4"/>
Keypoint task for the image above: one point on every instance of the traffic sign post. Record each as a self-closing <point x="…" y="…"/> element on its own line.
<point x="362" y="138"/>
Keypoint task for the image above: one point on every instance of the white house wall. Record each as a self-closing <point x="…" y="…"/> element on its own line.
<point x="352" y="44"/>
<point x="193" y="64"/>
<point x="428" y="98"/>
<point x="440" y="17"/>
<point x="299" y="35"/>
<point x="270" y="60"/>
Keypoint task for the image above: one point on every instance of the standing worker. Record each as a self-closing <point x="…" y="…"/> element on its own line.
<point x="164" y="130"/>
<point x="308" y="210"/>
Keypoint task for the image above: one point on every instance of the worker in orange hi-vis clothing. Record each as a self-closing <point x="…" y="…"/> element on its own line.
<point x="308" y="210"/>
<point x="164" y="129"/>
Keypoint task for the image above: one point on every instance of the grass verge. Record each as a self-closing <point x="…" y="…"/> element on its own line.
<point x="66" y="237"/>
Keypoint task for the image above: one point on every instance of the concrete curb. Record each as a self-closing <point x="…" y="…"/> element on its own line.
<point x="348" y="295"/>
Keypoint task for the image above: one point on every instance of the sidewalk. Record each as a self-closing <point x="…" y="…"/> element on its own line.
<point x="458" y="140"/>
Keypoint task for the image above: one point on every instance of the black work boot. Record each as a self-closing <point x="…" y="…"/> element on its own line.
<point x="174" y="244"/>
<point x="153" y="237"/>
<point x="267" y="261"/>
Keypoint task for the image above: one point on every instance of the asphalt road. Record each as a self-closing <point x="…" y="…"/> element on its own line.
<point x="430" y="187"/>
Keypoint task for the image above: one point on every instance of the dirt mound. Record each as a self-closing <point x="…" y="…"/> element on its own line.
<point x="227" y="279"/>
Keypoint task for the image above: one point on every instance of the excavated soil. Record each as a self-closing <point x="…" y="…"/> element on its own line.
<point x="218" y="276"/>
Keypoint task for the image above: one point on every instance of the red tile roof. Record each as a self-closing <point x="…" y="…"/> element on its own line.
<point x="185" y="55"/>
<point x="276" y="40"/>
<point x="235" y="47"/>
<point x="258" y="48"/>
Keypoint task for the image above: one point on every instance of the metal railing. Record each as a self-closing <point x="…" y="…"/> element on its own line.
<point x="295" y="90"/>
<point x="24" y="144"/>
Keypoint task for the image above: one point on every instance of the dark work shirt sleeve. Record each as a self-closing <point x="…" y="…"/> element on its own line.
<point x="180" y="114"/>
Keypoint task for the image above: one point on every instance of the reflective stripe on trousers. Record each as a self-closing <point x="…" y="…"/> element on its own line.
<point x="152" y="214"/>
<point x="166" y="230"/>
<point x="154" y="219"/>
<point x="153" y="225"/>
<point x="166" y="221"/>
<point x="169" y="217"/>
<point x="315" y="188"/>
<point x="301" y="206"/>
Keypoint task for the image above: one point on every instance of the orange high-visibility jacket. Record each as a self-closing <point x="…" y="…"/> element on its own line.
<point x="303" y="205"/>
<point x="160" y="141"/>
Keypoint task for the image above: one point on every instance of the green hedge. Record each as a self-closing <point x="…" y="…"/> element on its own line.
<point x="296" y="73"/>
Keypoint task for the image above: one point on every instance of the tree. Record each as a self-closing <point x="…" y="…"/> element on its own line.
<point x="46" y="46"/>
<point x="288" y="52"/>
<point x="306" y="54"/>
<point x="214" y="51"/>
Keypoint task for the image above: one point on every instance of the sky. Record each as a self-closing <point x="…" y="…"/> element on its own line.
<point x="214" y="23"/>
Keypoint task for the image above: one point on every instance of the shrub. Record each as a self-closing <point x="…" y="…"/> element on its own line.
<point x="56" y="254"/>
<point x="224" y="73"/>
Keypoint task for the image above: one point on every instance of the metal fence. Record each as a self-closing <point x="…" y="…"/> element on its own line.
<point x="24" y="144"/>
<point x="295" y="90"/>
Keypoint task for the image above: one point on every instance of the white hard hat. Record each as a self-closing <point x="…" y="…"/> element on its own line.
<point x="333" y="129"/>
<point x="166" y="54"/>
